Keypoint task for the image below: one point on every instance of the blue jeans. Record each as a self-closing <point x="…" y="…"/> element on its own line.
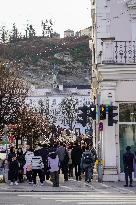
<point x="88" y="173"/>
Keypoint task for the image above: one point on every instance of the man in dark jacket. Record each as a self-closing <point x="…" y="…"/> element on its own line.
<point x="43" y="152"/>
<point x="128" y="158"/>
<point x="63" y="158"/>
<point x="76" y="155"/>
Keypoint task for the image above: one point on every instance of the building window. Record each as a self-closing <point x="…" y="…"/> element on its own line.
<point x="127" y="112"/>
<point x="127" y="128"/>
<point x="54" y="102"/>
<point x="127" y="137"/>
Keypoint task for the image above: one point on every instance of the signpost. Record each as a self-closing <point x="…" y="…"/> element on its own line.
<point x="99" y="129"/>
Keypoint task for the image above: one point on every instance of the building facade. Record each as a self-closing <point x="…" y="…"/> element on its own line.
<point x="86" y="32"/>
<point x="114" y="78"/>
<point x="68" y="33"/>
<point x="48" y="101"/>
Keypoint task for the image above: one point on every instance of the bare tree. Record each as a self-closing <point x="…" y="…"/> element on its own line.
<point x="47" y="28"/>
<point x="30" y="31"/>
<point x="14" y="34"/>
<point x="4" y="34"/>
<point x="68" y="110"/>
<point x="12" y="94"/>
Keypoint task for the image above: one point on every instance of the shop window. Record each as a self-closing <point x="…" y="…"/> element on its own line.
<point x="127" y="137"/>
<point x="127" y="112"/>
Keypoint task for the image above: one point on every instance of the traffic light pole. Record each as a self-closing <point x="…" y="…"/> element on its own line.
<point x="99" y="140"/>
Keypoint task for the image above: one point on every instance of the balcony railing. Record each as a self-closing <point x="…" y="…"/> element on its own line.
<point x="125" y="52"/>
<point x="119" y="52"/>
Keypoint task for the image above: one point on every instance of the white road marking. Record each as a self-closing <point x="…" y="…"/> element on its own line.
<point x="108" y="203"/>
<point x="118" y="188"/>
<point x="87" y="199"/>
<point x="66" y="187"/>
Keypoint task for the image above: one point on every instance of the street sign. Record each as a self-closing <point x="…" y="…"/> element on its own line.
<point x="100" y="126"/>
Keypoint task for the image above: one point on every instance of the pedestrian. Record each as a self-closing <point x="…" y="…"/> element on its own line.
<point x="87" y="163"/>
<point x="94" y="153"/>
<point x="43" y="152"/>
<point x="134" y="165"/>
<point x="53" y="164"/>
<point x="13" y="166"/>
<point x="63" y="158"/>
<point x="70" y="164"/>
<point x="37" y="168"/>
<point x="128" y="159"/>
<point x="21" y="163"/>
<point x="28" y="164"/>
<point x="76" y="155"/>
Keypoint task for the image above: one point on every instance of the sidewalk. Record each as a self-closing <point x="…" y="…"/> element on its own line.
<point x="71" y="186"/>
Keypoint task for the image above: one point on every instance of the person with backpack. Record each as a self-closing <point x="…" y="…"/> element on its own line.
<point x="37" y="167"/>
<point x="87" y="163"/>
<point x="94" y="153"/>
<point x="43" y="152"/>
<point x="53" y="164"/>
<point x="64" y="159"/>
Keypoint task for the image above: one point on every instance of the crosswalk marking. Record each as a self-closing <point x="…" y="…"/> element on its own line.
<point x="87" y="199"/>
<point x="107" y="203"/>
<point x="109" y="188"/>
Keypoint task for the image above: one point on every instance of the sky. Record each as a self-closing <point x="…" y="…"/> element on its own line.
<point x="66" y="14"/>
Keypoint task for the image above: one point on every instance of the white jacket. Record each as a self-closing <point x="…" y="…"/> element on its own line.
<point x="28" y="157"/>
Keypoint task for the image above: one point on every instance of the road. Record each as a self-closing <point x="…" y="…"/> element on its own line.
<point x="66" y="198"/>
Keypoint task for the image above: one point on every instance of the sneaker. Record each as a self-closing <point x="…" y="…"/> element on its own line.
<point x="41" y="184"/>
<point x="125" y="185"/>
<point x="11" y="184"/>
<point x="16" y="183"/>
<point x="34" y="185"/>
<point x="80" y="178"/>
<point x="130" y="185"/>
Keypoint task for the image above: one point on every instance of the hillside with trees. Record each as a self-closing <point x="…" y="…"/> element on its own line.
<point x="46" y="59"/>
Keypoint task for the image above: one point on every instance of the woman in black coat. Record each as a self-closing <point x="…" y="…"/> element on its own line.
<point x="128" y="158"/>
<point x="13" y="166"/>
<point x="21" y="163"/>
<point x="76" y="155"/>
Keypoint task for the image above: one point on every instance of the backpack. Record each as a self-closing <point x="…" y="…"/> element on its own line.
<point x="87" y="158"/>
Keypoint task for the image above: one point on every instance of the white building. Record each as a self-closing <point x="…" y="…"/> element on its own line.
<point x="86" y="32"/>
<point x="114" y="77"/>
<point x="51" y="99"/>
<point x="68" y="33"/>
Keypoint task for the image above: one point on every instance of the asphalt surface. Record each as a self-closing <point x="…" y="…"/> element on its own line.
<point x="66" y="198"/>
<point x="71" y="192"/>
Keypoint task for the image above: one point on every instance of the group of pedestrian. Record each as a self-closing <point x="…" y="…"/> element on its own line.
<point x="47" y="161"/>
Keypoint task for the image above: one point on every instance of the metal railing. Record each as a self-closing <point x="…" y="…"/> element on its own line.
<point x="118" y="52"/>
<point x="125" y="52"/>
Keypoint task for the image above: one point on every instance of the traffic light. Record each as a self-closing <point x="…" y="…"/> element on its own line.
<point x="111" y="115"/>
<point x="92" y="112"/>
<point x="102" y="112"/>
<point x="82" y="116"/>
